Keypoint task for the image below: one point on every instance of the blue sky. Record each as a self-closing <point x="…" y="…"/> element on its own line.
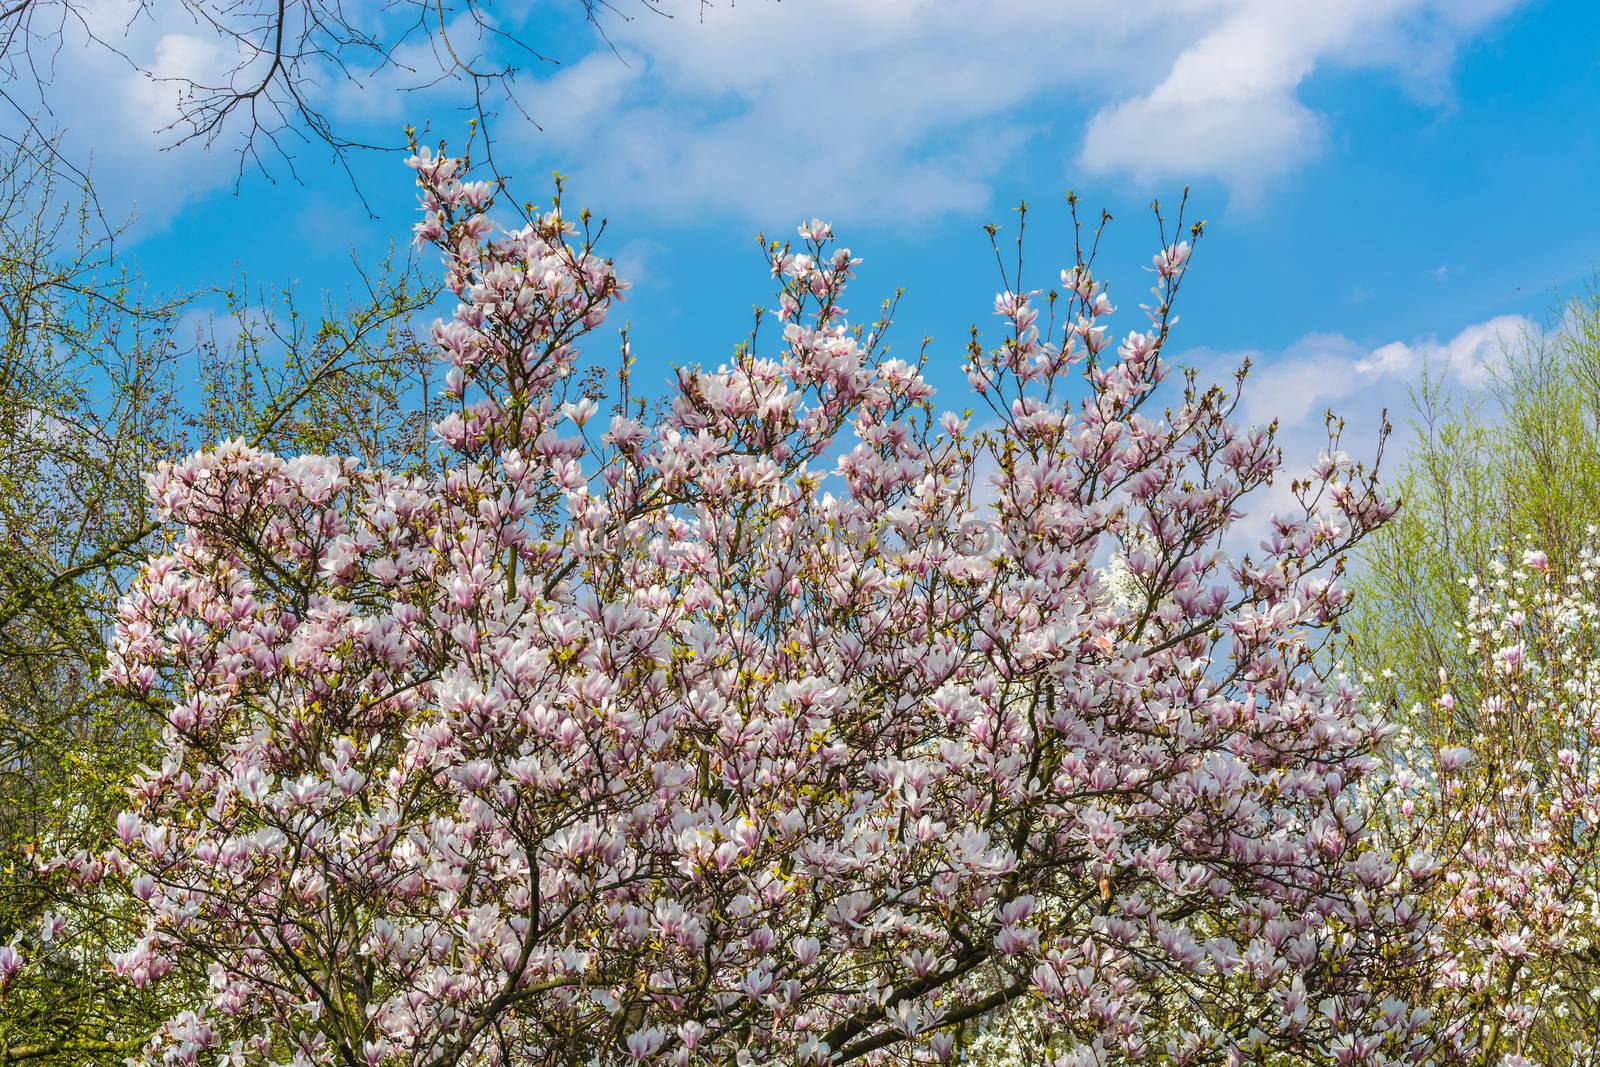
<point x="1385" y="181"/>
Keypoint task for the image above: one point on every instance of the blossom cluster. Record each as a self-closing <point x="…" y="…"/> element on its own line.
<point x="1505" y="799"/>
<point x="794" y="724"/>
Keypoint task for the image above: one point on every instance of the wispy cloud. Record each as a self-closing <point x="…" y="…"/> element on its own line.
<point x="1358" y="384"/>
<point x="897" y="111"/>
<point x="1228" y="107"/>
<point x="114" y="112"/>
<point x="901" y="110"/>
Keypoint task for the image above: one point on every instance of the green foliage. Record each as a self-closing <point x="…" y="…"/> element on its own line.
<point x="85" y="402"/>
<point x="1514" y="469"/>
<point x="1516" y="466"/>
<point x="98" y="382"/>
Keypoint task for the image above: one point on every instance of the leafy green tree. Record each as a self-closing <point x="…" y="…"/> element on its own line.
<point x="98" y="382"/>
<point x="1472" y="624"/>
<point x="1514" y="466"/>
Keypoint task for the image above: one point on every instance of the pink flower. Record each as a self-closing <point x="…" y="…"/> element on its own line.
<point x="642" y="1044"/>
<point x="10" y="964"/>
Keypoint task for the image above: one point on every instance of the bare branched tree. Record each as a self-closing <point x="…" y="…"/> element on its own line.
<point x="282" y="59"/>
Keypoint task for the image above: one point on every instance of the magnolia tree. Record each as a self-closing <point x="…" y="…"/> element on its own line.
<point x="790" y="723"/>
<point x="1511" y="811"/>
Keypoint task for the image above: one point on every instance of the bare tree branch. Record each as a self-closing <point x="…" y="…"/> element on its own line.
<point x="286" y="60"/>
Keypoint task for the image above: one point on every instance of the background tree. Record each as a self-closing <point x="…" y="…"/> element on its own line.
<point x="98" y="382"/>
<point x="1516" y="467"/>
<point x="1445" y="593"/>
<point x="283" y="58"/>
<point x="1510" y="821"/>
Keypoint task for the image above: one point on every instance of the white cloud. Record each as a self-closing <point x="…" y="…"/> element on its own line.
<point x="1248" y="142"/>
<point x="892" y="110"/>
<point x="906" y="109"/>
<point x="1330" y="370"/>
<point x="1228" y="107"/>
<point x="1359" y="384"/>
<point x="114" y="120"/>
